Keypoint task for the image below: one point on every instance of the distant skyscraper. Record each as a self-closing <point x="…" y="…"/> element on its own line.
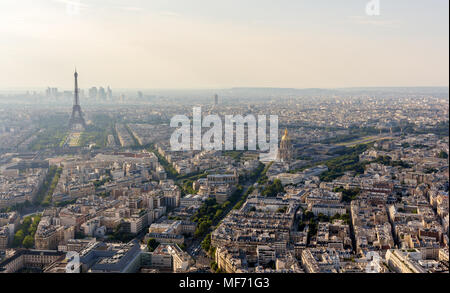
<point x="109" y="93"/>
<point x="216" y="99"/>
<point x="52" y="92"/>
<point x="101" y="93"/>
<point x="93" y="92"/>
<point x="76" y="120"/>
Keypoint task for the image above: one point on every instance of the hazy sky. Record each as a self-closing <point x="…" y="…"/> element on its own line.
<point x="223" y="43"/>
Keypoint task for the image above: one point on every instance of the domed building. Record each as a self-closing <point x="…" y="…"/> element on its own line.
<point x="286" y="150"/>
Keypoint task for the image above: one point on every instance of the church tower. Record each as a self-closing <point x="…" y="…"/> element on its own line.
<point x="286" y="150"/>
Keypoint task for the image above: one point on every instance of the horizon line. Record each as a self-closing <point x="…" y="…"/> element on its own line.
<point x="229" y="88"/>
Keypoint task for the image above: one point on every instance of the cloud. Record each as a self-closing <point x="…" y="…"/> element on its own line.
<point x="371" y="20"/>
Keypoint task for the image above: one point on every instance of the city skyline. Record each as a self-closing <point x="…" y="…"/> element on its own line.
<point x="212" y="44"/>
<point x="220" y="137"/>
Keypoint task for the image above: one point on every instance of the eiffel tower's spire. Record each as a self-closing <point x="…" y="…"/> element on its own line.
<point x="76" y="98"/>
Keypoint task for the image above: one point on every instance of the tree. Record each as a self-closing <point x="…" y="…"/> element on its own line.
<point x="32" y="230"/>
<point x="36" y="220"/>
<point x="443" y="155"/>
<point x="348" y="194"/>
<point x="28" y="241"/>
<point x="273" y="189"/>
<point x="201" y="229"/>
<point x="214" y="266"/>
<point x="218" y="214"/>
<point x="301" y="226"/>
<point x="206" y="243"/>
<point x="27" y="221"/>
<point x="188" y="187"/>
<point x="152" y="244"/>
<point x="309" y="215"/>
<point x="323" y="218"/>
<point x="18" y="238"/>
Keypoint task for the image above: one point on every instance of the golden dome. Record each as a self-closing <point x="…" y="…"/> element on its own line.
<point x="285" y="136"/>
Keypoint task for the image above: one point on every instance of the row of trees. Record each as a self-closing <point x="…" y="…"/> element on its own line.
<point x="255" y="174"/>
<point x="387" y="161"/>
<point x="53" y="131"/>
<point x="48" y="196"/>
<point x="238" y="199"/>
<point x="440" y="129"/>
<point x="210" y="213"/>
<point x="44" y="195"/>
<point x="192" y="176"/>
<point x="170" y="170"/>
<point x="348" y="195"/>
<point x="17" y="207"/>
<point x="262" y="178"/>
<point x="24" y="236"/>
<point x="99" y="137"/>
<point x="187" y="181"/>
<point x="354" y="133"/>
<point x="349" y="161"/>
<point x="188" y="188"/>
<point x="97" y="132"/>
<point x="273" y="189"/>
<point x="241" y="202"/>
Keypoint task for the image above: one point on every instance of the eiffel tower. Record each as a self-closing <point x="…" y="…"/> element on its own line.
<point x="76" y="120"/>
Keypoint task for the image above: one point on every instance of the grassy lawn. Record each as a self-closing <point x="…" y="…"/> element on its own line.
<point x="362" y="140"/>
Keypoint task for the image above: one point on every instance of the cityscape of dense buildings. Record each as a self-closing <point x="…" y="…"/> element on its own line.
<point x="224" y="145"/>
<point x="359" y="184"/>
